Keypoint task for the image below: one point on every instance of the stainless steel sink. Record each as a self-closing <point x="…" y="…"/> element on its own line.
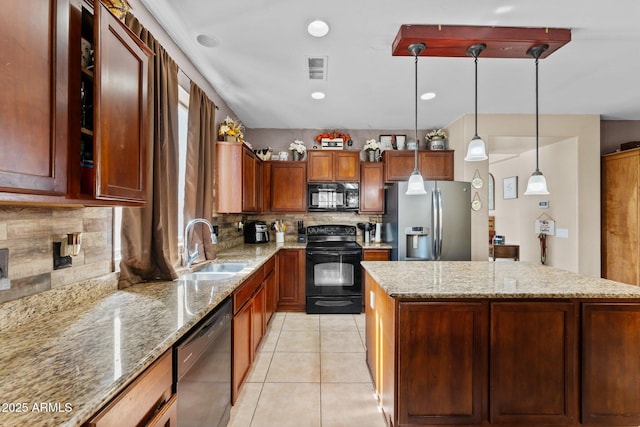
<point x="231" y="267"/>
<point x="218" y="275"/>
<point x="215" y="271"/>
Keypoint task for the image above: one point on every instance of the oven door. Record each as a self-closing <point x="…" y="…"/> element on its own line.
<point x="333" y="272"/>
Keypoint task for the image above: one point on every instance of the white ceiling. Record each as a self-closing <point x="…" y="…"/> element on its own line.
<point x="259" y="63"/>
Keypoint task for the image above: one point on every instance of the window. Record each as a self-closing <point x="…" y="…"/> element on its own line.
<point x="183" y="116"/>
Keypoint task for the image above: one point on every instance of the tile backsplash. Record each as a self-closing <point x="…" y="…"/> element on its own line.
<point x="29" y="233"/>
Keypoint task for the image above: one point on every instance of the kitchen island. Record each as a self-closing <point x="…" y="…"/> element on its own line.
<point x="483" y="343"/>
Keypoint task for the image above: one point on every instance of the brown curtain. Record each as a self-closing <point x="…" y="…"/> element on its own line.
<point x="150" y="234"/>
<point x="199" y="180"/>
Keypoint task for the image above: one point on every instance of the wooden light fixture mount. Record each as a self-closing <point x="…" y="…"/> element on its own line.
<point x="501" y="42"/>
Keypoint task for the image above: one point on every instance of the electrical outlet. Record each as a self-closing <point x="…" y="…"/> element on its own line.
<point x="216" y="230"/>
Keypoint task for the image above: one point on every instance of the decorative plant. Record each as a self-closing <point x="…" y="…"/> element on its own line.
<point x="332" y="135"/>
<point x="439" y="133"/>
<point x="229" y="127"/>
<point x="372" y="145"/>
<point x="298" y="146"/>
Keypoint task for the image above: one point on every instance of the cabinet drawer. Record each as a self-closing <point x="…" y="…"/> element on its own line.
<point x="246" y="290"/>
<point x="269" y="266"/>
<point x="137" y="403"/>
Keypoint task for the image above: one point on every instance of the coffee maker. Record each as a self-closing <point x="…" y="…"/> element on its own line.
<point x="256" y="232"/>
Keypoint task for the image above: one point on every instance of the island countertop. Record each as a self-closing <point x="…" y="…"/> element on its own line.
<point x="482" y="279"/>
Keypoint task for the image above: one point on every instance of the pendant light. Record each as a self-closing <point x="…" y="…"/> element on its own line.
<point x="415" y="186"/>
<point x="537" y="184"/>
<point x="476" y="151"/>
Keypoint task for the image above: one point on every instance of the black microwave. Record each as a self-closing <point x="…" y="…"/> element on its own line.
<point x="334" y="196"/>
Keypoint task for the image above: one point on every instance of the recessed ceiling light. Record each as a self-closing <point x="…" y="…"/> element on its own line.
<point x="318" y="28"/>
<point x="318" y="95"/>
<point x="207" y="40"/>
<point x="427" y="96"/>
<point x="503" y="9"/>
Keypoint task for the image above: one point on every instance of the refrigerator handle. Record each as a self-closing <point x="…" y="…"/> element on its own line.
<point x="440" y="221"/>
<point x="434" y="225"/>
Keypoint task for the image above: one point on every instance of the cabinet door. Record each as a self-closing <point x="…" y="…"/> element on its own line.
<point x="271" y="295"/>
<point x="250" y="181"/>
<point x="229" y="186"/>
<point x="346" y="166"/>
<point x="610" y="369"/>
<point x="258" y="318"/>
<point x="242" y="348"/>
<point x="291" y="280"/>
<point x="320" y="166"/>
<point x="436" y="165"/>
<point x="376" y="254"/>
<point x="35" y="99"/>
<point x="372" y="187"/>
<point x="288" y="187"/>
<point x="532" y="367"/>
<point x="398" y="165"/>
<point x="442" y="355"/>
<point x="620" y="228"/>
<point x="120" y="110"/>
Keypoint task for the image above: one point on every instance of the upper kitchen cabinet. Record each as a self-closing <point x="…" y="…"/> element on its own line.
<point x="287" y="186"/>
<point x="238" y="179"/>
<point x="74" y="107"/>
<point x="372" y="187"/>
<point x="333" y="165"/>
<point x="433" y="165"/>
<point x="109" y="80"/>
<point x="34" y="103"/>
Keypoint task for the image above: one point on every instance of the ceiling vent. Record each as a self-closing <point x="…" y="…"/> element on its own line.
<point x="317" y="67"/>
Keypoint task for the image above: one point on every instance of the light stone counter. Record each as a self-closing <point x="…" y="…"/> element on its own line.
<point x="75" y="360"/>
<point x="482" y="279"/>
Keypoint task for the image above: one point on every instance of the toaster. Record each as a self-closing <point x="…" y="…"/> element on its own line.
<point x="256" y="232"/>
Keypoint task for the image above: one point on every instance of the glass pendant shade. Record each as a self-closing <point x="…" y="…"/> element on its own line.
<point x="415" y="186"/>
<point x="476" y="151"/>
<point x="537" y="185"/>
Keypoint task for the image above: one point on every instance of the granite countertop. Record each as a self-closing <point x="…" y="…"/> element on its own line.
<point x="482" y="279"/>
<point x="74" y="361"/>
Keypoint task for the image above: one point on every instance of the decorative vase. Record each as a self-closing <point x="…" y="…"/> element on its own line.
<point x="297" y="156"/>
<point x="371" y="155"/>
<point x="436" y="143"/>
<point x="231" y="138"/>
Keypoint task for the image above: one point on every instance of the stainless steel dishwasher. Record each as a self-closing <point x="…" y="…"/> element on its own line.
<point x="203" y="371"/>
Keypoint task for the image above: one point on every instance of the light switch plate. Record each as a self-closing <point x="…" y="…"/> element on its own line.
<point x="562" y="232"/>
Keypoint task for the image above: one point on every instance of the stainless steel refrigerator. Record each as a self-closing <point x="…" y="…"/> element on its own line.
<point x="435" y="226"/>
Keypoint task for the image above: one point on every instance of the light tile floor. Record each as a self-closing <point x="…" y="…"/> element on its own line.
<point x="310" y="370"/>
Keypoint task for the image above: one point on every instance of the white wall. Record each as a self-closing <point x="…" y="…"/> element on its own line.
<point x="573" y="158"/>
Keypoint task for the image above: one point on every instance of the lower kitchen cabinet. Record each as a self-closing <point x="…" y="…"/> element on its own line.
<point x="610" y="369"/>
<point x="369" y="254"/>
<point x="291" y="280"/>
<point x="446" y="344"/>
<point x="271" y="289"/>
<point x="148" y="400"/>
<point x="533" y="363"/>
<point x="248" y="327"/>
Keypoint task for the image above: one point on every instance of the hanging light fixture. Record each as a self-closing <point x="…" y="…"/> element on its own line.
<point x="537" y="184"/>
<point x="476" y="151"/>
<point x="415" y="186"/>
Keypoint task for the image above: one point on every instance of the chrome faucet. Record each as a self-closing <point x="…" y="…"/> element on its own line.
<point x="189" y="256"/>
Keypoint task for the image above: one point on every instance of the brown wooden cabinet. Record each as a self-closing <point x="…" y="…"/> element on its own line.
<point x="446" y="343"/>
<point x="620" y="217"/>
<point x="148" y="400"/>
<point x="288" y="186"/>
<point x="533" y="367"/>
<point x="610" y="369"/>
<point x="333" y="165"/>
<point x="291" y="280"/>
<point x="372" y="187"/>
<point x="238" y="179"/>
<point x="84" y="125"/>
<point x="248" y="328"/>
<point x="271" y="288"/>
<point x="377" y="254"/>
<point x="433" y="165"/>
<point x="35" y="98"/>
